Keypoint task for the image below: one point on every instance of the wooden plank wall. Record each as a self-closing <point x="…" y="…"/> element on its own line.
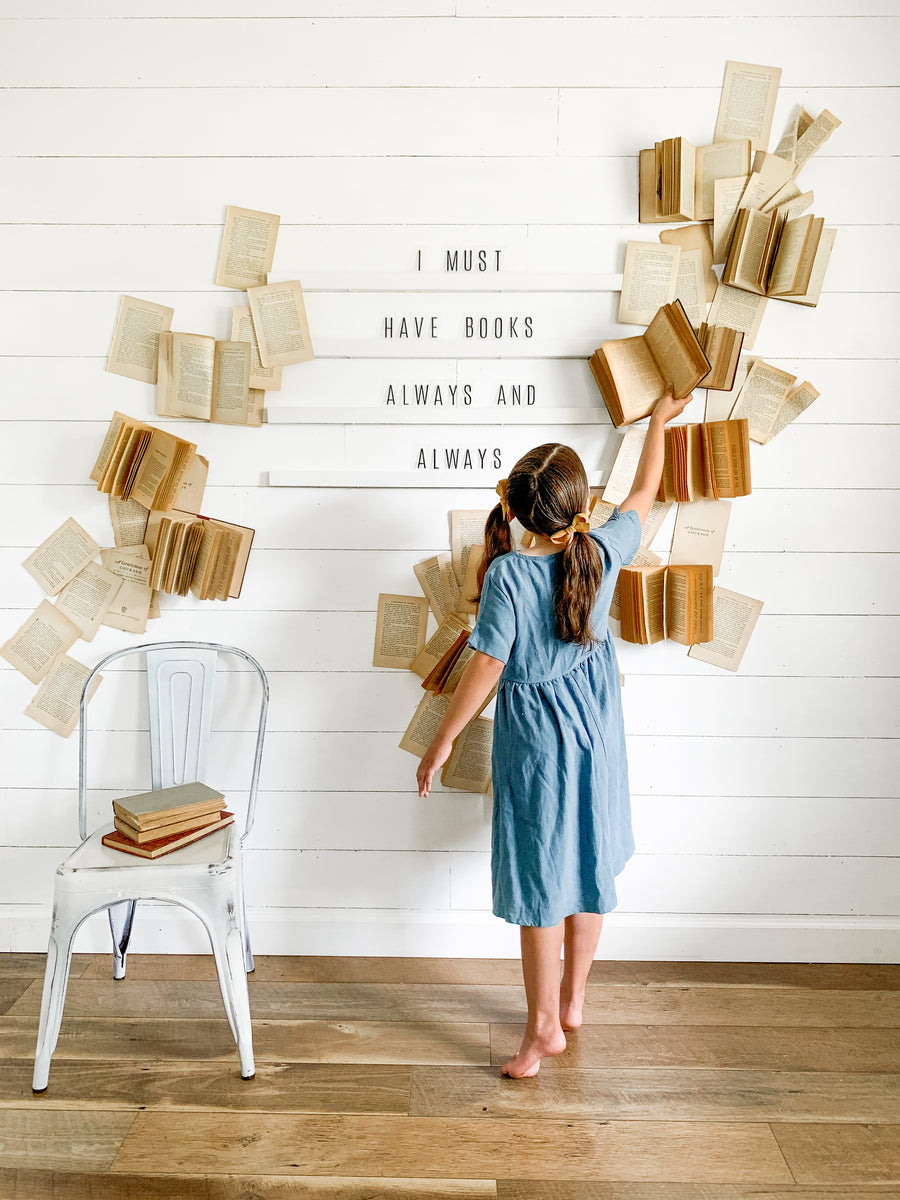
<point x="764" y="802"/>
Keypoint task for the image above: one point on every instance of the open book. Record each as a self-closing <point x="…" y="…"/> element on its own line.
<point x="143" y="463"/>
<point x="208" y="380"/>
<point x="722" y="346"/>
<point x="677" y="179"/>
<point x="674" y="602"/>
<point x="198" y="554"/>
<point x="632" y="373"/>
<point x="769" y="400"/>
<point x="778" y="257"/>
<point x="706" y="461"/>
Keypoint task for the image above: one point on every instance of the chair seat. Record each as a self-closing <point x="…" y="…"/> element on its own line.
<point x="213" y="850"/>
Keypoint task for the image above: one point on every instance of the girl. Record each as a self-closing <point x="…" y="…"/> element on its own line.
<point x="562" y="817"/>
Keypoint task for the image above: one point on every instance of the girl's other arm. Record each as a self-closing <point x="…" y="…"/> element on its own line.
<point x="475" y="683"/>
<point x="650" y="464"/>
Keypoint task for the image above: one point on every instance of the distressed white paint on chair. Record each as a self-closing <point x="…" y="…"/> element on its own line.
<point x="205" y="877"/>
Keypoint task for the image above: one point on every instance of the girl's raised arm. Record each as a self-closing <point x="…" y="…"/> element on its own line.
<point x="650" y="464"/>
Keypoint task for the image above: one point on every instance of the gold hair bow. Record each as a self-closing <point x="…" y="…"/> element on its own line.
<point x="501" y="490"/>
<point x="580" y="524"/>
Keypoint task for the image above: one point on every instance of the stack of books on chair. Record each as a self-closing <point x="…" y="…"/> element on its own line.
<point x="151" y="824"/>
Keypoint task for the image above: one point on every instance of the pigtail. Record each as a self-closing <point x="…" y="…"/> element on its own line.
<point x="497" y="541"/>
<point x="577" y="583"/>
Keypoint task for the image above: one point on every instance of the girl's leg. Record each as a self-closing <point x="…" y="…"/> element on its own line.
<point x="540" y="969"/>
<point x="582" y="933"/>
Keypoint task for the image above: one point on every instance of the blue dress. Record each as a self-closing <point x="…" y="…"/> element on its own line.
<point x="562" y="816"/>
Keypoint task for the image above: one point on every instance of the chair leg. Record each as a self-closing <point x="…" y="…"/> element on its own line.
<point x="227" y="940"/>
<point x="249" y="964"/>
<point x="56" y="978"/>
<point x="121" y="920"/>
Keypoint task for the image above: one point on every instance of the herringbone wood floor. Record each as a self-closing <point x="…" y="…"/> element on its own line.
<point x="378" y="1078"/>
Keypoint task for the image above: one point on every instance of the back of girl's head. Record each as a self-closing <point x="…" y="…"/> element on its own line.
<point x="545" y="491"/>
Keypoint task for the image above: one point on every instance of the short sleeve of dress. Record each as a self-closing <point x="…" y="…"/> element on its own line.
<point x="495" y="626"/>
<point x="621" y="535"/>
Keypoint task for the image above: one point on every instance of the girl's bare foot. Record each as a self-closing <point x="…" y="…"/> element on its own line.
<point x="571" y="1012"/>
<point x="527" y="1060"/>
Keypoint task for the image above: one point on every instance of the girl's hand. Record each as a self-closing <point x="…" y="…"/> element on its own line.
<point x="671" y="405"/>
<point x="435" y="756"/>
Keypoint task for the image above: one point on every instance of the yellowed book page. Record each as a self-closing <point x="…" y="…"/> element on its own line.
<point x="193" y="485"/>
<point x="57" y="560"/>
<point x="818" y="133"/>
<point x="747" y="103"/>
<point x="135" y="342"/>
<point x="131" y="608"/>
<point x="257" y="407"/>
<point x="469" y="590"/>
<point x="796" y="127"/>
<point x="44" y="635"/>
<point x="727" y="197"/>
<point x="719" y="160"/>
<point x="424" y="724"/>
<point x="690" y="286"/>
<point x="700" y="529"/>
<point x="817" y="275"/>
<point x="163" y="469"/>
<point x="438" y="645"/>
<point x="450" y="585"/>
<point x="428" y="573"/>
<point x="738" y="310"/>
<point x="719" y="405"/>
<point x="109" y="440"/>
<point x="242" y="330"/>
<point x="791" y="249"/>
<point x="659" y="510"/>
<point x="129" y="521"/>
<point x="695" y="237"/>
<point x="56" y="703"/>
<point x="674" y="359"/>
<point x="86" y="600"/>
<point x="621" y="477"/>
<point x="784" y="195"/>
<point x="734" y="617"/>
<point x="248" y="247"/>
<point x="643" y="558"/>
<point x="189" y="386"/>
<point x="155" y="610"/>
<point x="466" y="531"/>
<point x="399" y="630"/>
<point x="231" y="383"/>
<point x="600" y="512"/>
<point x="797" y="401"/>
<point x="761" y="397"/>
<point x="469" y="765"/>
<point x="771" y="174"/>
<point x="793" y="206"/>
<point x="637" y="376"/>
<point x="128" y="562"/>
<point x="689" y="592"/>
<point x="279" y="318"/>
<point x="749" y="249"/>
<point x="648" y="280"/>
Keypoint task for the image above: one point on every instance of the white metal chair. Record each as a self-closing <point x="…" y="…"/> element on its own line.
<point x="204" y="877"/>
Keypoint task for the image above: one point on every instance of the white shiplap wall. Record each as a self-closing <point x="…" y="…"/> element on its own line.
<point x="764" y="803"/>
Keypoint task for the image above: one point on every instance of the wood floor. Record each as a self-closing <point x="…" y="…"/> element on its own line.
<point x="378" y="1078"/>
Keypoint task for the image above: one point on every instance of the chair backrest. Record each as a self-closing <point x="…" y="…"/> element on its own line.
<point x="181" y="686"/>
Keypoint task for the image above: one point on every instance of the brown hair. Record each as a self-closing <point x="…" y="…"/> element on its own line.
<point x="546" y="488"/>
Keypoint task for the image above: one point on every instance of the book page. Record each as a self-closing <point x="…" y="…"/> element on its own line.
<point x="648" y="280"/>
<point x="747" y="103"/>
<point x="659" y="510"/>
<point x="279" y="318"/>
<point x="248" y="247"/>
<point x="162" y="470"/>
<point x="437" y="645"/>
<point x="769" y="174"/>
<point x="789" y="192"/>
<point x="57" y="701"/>
<point x="242" y="330"/>
<point x="719" y="405"/>
<point x="695" y="237"/>
<point x="193" y="485"/>
<point x="231" y="383"/>
<point x="469" y="765"/>
<point x="466" y="530"/>
<point x="131" y="608"/>
<point x="761" y="397"/>
<point x="135" y="343"/>
<point x="797" y="401"/>
<point x="128" y="562"/>
<point x="185" y="385"/>
<point x="44" y="635"/>
<point x="719" y="160"/>
<point x="450" y="584"/>
<point x="734" y="617"/>
<point x="689" y="610"/>
<point x="739" y="310"/>
<point x="797" y="126"/>
<point x="643" y="558"/>
<point x="86" y="600"/>
<point x="637" y="378"/>
<point x="690" y="286"/>
<point x="109" y="440"/>
<point x="675" y="349"/>
<point x="424" y="724"/>
<point x="399" y="630"/>
<point x="129" y="521"/>
<point x="816" y="134"/>
<point x="469" y="589"/>
<point x="748" y="250"/>
<point x="428" y="573"/>
<point x="699" y="536"/>
<point x="256" y="407"/>
<point x="727" y="195"/>
<point x="59" y="559"/>
<point x="621" y="477"/>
